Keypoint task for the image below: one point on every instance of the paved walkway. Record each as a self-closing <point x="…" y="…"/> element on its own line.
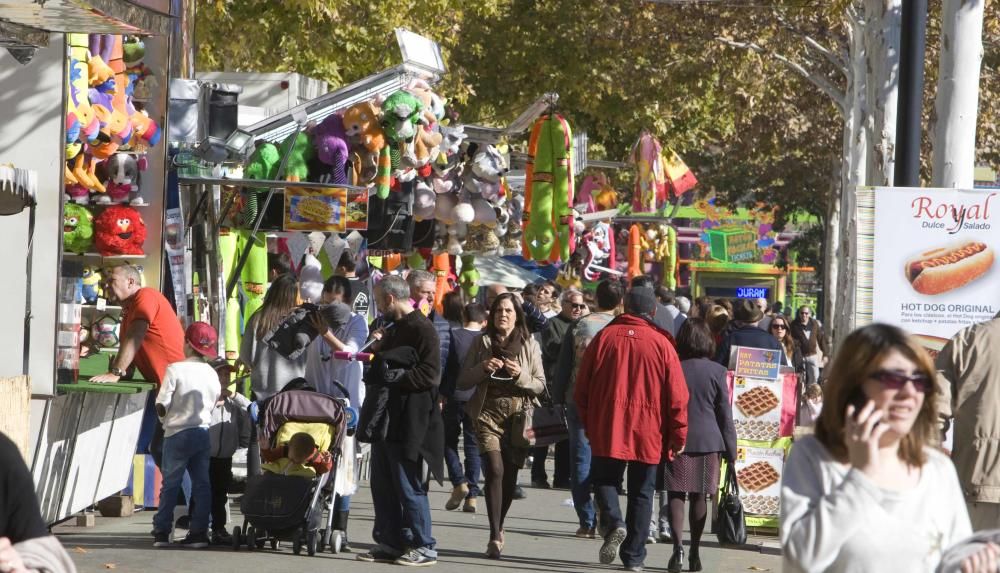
<point x="539" y="538"/>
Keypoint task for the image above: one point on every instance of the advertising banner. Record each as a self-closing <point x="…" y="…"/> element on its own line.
<point x="329" y="210"/>
<point x="758" y="472"/>
<point x="756" y="362"/>
<point x="932" y="263"/>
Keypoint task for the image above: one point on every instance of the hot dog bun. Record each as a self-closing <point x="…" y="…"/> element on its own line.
<point x="932" y="344"/>
<point x="947" y="268"/>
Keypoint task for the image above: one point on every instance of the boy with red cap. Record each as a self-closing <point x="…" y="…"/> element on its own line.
<point x="184" y="404"/>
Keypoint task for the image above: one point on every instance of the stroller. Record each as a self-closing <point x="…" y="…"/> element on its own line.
<point x="278" y="507"/>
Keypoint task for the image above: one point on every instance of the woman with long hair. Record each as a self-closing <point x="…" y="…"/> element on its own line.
<point x="504" y="366"/>
<point x="780" y="328"/>
<point x="717" y="319"/>
<point x="269" y="370"/>
<point x="871" y="487"/>
<point x="694" y="474"/>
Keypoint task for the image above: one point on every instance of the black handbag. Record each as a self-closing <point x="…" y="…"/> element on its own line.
<point x="538" y="426"/>
<point x="731" y="528"/>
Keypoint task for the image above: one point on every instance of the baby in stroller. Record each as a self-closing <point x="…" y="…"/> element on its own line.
<point x="302" y="455"/>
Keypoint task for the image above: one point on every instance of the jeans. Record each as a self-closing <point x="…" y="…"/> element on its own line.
<point x="456" y="422"/>
<point x="342" y="503"/>
<point x="399" y="494"/>
<point x="606" y="474"/>
<point x="185" y="450"/>
<point x="579" y="472"/>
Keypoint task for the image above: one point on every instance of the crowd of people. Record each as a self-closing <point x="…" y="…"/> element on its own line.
<point x="641" y="375"/>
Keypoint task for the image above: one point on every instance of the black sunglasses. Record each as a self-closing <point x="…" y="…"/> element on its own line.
<point x="781" y="326"/>
<point x="896" y="380"/>
<point x="578" y="306"/>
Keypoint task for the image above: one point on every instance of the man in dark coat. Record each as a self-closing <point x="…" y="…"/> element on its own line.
<point x="746" y="316"/>
<point x="415" y="435"/>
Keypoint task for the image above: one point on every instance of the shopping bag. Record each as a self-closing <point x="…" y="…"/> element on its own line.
<point x="731" y="528"/>
<point x="539" y="426"/>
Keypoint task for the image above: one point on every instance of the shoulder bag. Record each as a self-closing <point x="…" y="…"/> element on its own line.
<point x="731" y="528"/>
<point x="539" y="425"/>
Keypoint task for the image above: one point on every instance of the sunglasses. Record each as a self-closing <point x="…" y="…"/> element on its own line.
<point x="777" y="326"/>
<point x="896" y="380"/>
<point x="578" y="306"/>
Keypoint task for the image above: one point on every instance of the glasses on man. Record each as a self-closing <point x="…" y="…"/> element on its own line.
<point x="576" y="306"/>
<point x="895" y="380"/>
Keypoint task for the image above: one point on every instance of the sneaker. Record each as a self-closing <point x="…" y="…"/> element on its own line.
<point x="183" y="522"/>
<point x="161" y="539"/>
<point x="665" y="536"/>
<point x="634" y="568"/>
<point x="609" y="550"/>
<point x="470" y="505"/>
<point x="221" y="537"/>
<point x="586" y="533"/>
<point x="376" y="555"/>
<point x="195" y="540"/>
<point x="414" y="558"/>
<point x="540" y="484"/>
<point x="458" y="494"/>
<point x="651" y="537"/>
<point x="560" y="485"/>
<point x="518" y="493"/>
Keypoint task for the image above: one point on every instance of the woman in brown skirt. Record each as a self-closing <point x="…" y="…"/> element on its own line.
<point x="504" y="365"/>
<point x="694" y="474"/>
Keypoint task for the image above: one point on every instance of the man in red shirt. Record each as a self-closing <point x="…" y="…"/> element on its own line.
<point x="632" y="402"/>
<point x="152" y="336"/>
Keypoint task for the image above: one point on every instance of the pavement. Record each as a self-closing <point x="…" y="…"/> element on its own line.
<point x="539" y="538"/>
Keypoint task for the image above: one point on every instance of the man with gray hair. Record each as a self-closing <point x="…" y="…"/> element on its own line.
<point x="683" y="305"/>
<point x="423" y="286"/>
<point x="414" y="434"/>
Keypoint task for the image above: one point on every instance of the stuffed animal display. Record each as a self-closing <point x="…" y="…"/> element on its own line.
<point x="78" y="228"/>
<point x="548" y="217"/>
<point x="105" y="122"/>
<point x="91" y="285"/>
<point x="119" y="230"/>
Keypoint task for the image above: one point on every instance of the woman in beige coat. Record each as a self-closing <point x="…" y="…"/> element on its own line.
<point x="504" y="365"/>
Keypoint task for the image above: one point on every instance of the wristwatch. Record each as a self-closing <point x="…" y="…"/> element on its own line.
<point x="117" y="372"/>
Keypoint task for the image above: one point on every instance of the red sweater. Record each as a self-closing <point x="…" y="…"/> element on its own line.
<point x="631" y="394"/>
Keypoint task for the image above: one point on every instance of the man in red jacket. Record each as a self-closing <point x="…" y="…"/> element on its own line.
<point x="632" y="401"/>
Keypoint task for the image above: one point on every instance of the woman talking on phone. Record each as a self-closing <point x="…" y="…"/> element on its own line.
<point x="504" y="365"/>
<point x="870" y="491"/>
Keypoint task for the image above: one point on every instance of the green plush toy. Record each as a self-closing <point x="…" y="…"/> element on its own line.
<point x="468" y="279"/>
<point x="263" y="164"/>
<point x="302" y="152"/>
<point x="401" y="112"/>
<point x="78" y="228"/>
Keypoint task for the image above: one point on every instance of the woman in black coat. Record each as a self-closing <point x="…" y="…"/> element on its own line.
<point x="781" y="329"/>
<point x="694" y="474"/>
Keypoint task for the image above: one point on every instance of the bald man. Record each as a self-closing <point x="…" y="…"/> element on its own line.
<point x="534" y="317"/>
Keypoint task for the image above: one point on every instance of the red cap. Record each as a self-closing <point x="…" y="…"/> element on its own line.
<point x="203" y="338"/>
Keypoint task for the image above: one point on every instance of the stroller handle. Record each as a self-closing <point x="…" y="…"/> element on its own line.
<point x="354" y="356"/>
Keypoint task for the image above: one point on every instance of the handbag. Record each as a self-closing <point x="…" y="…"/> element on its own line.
<point x="537" y="426"/>
<point x="731" y="528"/>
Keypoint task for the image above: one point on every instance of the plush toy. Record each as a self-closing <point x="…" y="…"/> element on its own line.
<point x="485" y="170"/>
<point x="311" y="279"/>
<point x="650" y="180"/>
<point x="424" y="201"/>
<point x="134" y="49"/>
<point x="262" y="164"/>
<point x="76" y="193"/>
<point x="91" y="284"/>
<point x="600" y="251"/>
<point x="433" y="104"/>
<point x="548" y="227"/>
<point x="361" y="124"/>
<point x="119" y="230"/>
<point x="442" y="286"/>
<point x="297" y="165"/>
<point x="453" y="217"/>
<point x="468" y="279"/>
<point x="78" y="228"/>
<point x="401" y="112"/>
<point x="515" y="213"/>
<point x="330" y="141"/>
<point x="120" y="174"/>
<point x="635" y="242"/>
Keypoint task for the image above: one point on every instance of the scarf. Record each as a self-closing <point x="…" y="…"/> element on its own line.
<point x="509" y="349"/>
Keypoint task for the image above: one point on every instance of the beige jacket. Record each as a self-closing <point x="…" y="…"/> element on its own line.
<point x="531" y="380"/>
<point x="969" y="378"/>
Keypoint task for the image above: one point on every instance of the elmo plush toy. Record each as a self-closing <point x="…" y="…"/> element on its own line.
<point x="120" y="230"/>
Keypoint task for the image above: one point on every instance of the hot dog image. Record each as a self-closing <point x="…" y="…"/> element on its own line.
<point x="947" y="268"/>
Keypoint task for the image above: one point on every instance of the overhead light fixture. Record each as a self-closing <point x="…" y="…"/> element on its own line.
<point x="212" y="150"/>
<point x="238" y="143"/>
<point x="17" y="189"/>
<point x="535" y="110"/>
<point x="420" y="52"/>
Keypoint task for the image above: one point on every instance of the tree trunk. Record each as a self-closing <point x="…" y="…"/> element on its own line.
<point x="883" y="20"/>
<point x="957" y="103"/>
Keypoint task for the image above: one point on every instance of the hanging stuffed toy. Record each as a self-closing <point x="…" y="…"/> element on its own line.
<point x="262" y="164"/>
<point x="635" y="242"/>
<point x="330" y="141"/>
<point x="468" y="279"/>
<point x="600" y="252"/>
<point x="120" y="175"/>
<point x="650" y="184"/>
<point x="442" y="286"/>
<point x="311" y="279"/>
<point x="78" y="228"/>
<point x="548" y="216"/>
<point x="119" y="230"/>
<point x="300" y="152"/>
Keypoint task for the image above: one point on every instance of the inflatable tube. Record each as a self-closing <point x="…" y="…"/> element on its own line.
<point x="254" y="274"/>
<point x="539" y="231"/>
<point x="529" y="177"/>
<point x="442" y="269"/>
<point x="562" y="189"/>
<point x="634" y="252"/>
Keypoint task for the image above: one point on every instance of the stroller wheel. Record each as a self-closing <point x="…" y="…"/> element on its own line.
<point x="311" y="542"/>
<point x="251" y="538"/>
<point x="297" y="541"/>
<point x="236" y="538"/>
<point x="336" y="541"/>
<point x="325" y="540"/>
<point x="274" y="543"/>
<point x="261" y="539"/>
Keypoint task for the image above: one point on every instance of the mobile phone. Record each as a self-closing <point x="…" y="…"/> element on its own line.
<point x="859" y="400"/>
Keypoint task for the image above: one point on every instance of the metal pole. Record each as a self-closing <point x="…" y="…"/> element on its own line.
<point x="911" y="91"/>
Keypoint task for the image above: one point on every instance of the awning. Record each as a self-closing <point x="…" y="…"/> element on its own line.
<point x="90" y="16"/>
<point x="496" y="270"/>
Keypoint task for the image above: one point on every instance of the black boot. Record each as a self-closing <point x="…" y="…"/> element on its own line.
<point x="340" y="524"/>
<point x="676" y="563"/>
<point x="694" y="560"/>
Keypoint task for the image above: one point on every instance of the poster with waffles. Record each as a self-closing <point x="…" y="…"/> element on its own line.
<point x="757" y="408"/>
<point x="758" y="472"/>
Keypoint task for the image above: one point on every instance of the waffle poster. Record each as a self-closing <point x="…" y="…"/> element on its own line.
<point x="933" y="261"/>
<point x="327" y="210"/>
<point x="758" y="472"/>
<point x="756" y="408"/>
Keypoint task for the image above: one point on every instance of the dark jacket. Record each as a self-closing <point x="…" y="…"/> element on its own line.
<point x="798" y="362"/>
<point x="461" y="342"/>
<point x="710" y="417"/>
<point x="746" y="335"/>
<point x="533" y="317"/>
<point x="814" y="342"/>
<point x="552" y="342"/>
<point x="414" y="417"/>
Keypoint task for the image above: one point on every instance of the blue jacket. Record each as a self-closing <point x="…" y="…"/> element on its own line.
<point x="746" y="335"/>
